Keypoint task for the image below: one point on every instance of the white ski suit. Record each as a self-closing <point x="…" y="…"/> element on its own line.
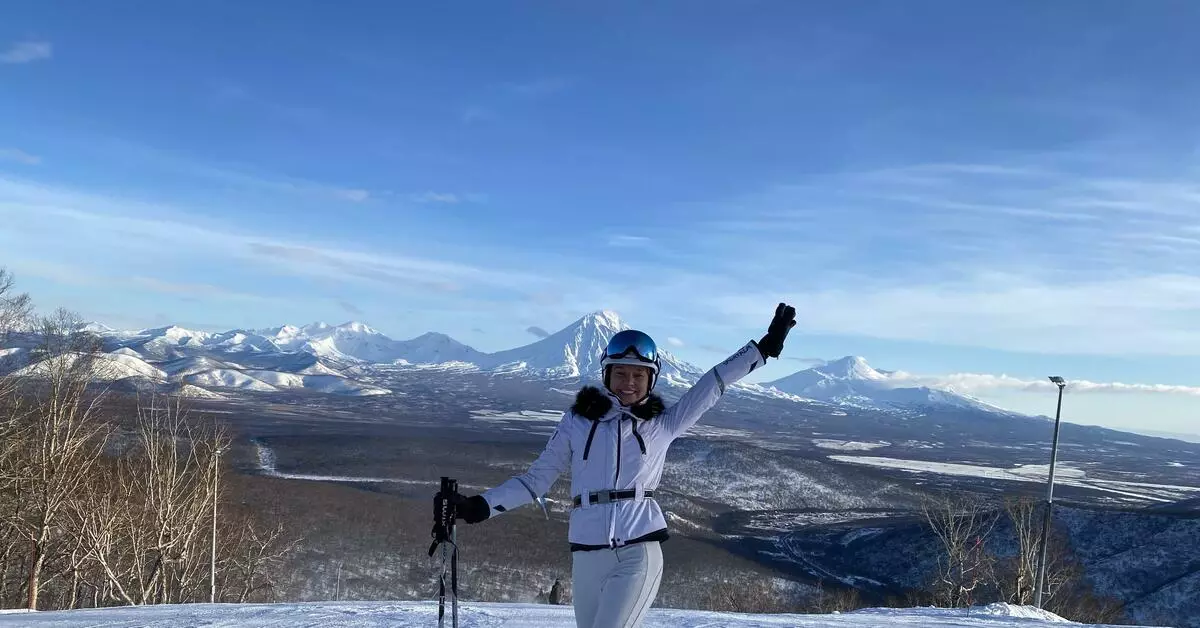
<point x="610" y="447"/>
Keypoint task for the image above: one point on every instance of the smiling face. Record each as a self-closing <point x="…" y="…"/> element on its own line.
<point x="629" y="383"/>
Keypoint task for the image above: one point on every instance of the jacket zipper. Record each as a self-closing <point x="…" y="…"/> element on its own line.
<point x="612" y="512"/>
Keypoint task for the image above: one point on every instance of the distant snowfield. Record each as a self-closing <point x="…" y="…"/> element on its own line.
<point x="544" y="418"/>
<point x="1063" y="474"/>
<point x="266" y="466"/>
<point x="847" y="445"/>
<point x="497" y="615"/>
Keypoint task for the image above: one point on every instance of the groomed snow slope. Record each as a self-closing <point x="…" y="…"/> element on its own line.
<point x="489" y="615"/>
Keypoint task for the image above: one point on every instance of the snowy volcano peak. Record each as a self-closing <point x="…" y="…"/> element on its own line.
<point x="607" y="320"/>
<point x="174" y="333"/>
<point x="315" y="328"/>
<point x="355" y="327"/>
<point x="852" y="381"/>
<point x="287" y="331"/>
<point x="573" y="351"/>
<point x="852" y="367"/>
<point x="576" y="351"/>
<point x="434" y="348"/>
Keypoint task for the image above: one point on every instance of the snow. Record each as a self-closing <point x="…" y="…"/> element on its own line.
<point x="1064" y="473"/>
<point x="576" y="350"/>
<point x="848" y="445"/>
<point x="12" y="358"/>
<point x="119" y="365"/>
<point x="108" y="367"/>
<point x="852" y="382"/>
<point x="537" y="420"/>
<point x="228" y="378"/>
<point x="195" y="392"/>
<point x="266" y="466"/>
<point x="504" y="615"/>
<point x="435" y="348"/>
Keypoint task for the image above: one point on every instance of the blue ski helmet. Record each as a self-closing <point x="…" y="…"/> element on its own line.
<point x="631" y="347"/>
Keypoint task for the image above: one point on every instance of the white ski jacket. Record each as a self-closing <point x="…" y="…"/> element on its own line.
<point x="609" y="447"/>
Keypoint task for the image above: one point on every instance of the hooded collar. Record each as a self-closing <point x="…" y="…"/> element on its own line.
<point x="595" y="403"/>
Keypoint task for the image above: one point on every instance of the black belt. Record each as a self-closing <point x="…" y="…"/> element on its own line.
<point x="604" y="497"/>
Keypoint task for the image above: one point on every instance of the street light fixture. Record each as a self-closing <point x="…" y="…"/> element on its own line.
<point x="1041" y="576"/>
<point x="212" y="573"/>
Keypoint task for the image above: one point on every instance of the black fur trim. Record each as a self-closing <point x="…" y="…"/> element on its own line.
<point x="591" y="403"/>
<point x="652" y="407"/>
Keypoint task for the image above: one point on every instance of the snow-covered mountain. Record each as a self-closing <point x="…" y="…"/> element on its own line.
<point x="358" y="342"/>
<point x="851" y="381"/>
<point x="174" y="358"/>
<point x="240" y="359"/>
<point x="576" y="350"/>
<point x="437" y="348"/>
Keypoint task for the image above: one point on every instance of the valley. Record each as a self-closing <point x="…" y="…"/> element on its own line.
<point x="814" y="484"/>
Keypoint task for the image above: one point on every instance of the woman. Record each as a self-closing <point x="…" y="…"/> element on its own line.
<point x="615" y="440"/>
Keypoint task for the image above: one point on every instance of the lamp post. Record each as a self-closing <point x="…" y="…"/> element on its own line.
<point x="212" y="574"/>
<point x="1041" y="575"/>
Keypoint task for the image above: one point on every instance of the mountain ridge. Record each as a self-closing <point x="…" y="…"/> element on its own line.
<point x="572" y="352"/>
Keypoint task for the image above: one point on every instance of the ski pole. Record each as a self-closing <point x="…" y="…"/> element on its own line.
<point x="454" y="569"/>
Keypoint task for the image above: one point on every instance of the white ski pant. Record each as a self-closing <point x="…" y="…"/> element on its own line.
<point x="615" y="588"/>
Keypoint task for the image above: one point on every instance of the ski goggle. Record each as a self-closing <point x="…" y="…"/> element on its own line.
<point x="631" y="341"/>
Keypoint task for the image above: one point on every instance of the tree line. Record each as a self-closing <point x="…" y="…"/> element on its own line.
<point x="110" y="497"/>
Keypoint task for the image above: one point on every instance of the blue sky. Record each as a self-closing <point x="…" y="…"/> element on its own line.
<point x="959" y="191"/>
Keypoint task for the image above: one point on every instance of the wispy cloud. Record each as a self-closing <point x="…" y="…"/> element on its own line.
<point x="628" y="240"/>
<point x="1033" y="254"/>
<point x="983" y="383"/>
<point x="245" y="176"/>
<point x="674" y="342"/>
<point x="19" y="156"/>
<point x="537" y="331"/>
<point x="473" y="114"/>
<point x="27" y="52"/>
<point x="1153" y="314"/>
<point x="538" y="88"/>
<point x="100" y="218"/>
<point x="228" y="94"/>
<point x="353" y="194"/>
<point x="76" y="275"/>
<point x="349" y="307"/>
<point x="1032" y="214"/>
<point x="448" y="198"/>
<point x="190" y="290"/>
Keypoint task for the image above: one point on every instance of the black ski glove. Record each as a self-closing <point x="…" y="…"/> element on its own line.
<point x="771" y="344"/>
<point x="470" y="509"/>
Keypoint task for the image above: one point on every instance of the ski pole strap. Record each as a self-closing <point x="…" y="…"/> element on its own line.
<point x="443" y="513"/>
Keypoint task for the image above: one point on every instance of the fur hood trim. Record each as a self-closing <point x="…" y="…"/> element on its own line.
<point x="592" y="403"/>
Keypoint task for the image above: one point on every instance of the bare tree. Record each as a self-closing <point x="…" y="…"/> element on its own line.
<point x="15" y="309"/>
<point x="62" y="440"/>
<point x="1019" y="574"/>
<point x="168" y="507"/>
<point x="254" y="553"/>
<point x="962" y="526"/>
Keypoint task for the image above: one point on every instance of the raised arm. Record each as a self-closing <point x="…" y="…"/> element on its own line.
<point x="709" y="389"/>
<point x="541" y="475"/>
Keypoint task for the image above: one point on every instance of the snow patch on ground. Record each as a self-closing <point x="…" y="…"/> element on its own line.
<point x="500" y="615"/>
<point x="536" y="420"/>
<point x="848" y="445"/>
<point x="266" y="466"/>
<point x="1064" y="473"/>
